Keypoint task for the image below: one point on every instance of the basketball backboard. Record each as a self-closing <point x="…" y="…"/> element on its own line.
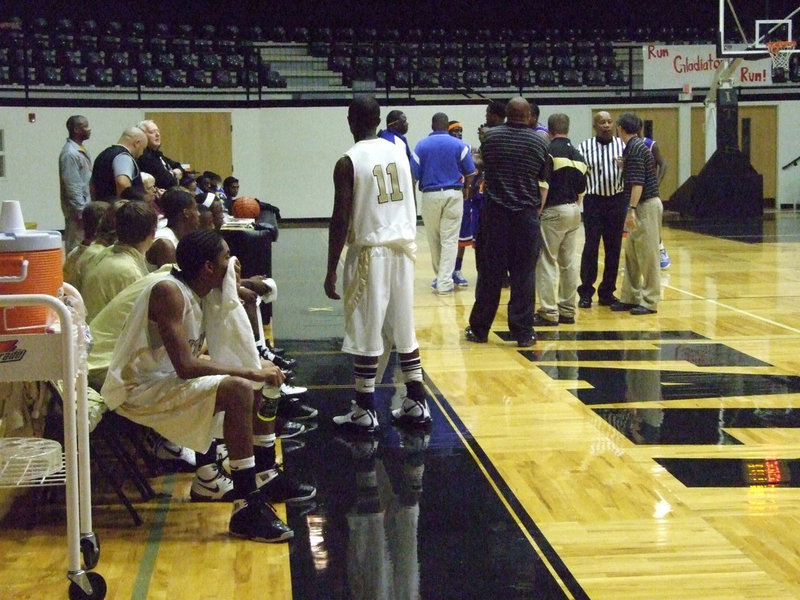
<point x="746" y="25"/>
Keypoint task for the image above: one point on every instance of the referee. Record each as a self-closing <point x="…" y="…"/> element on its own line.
<point x="604" y="211"/>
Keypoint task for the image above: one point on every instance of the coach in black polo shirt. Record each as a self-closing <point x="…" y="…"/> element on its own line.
<point x="508" y="237"/>
<point x="641" y="285"/>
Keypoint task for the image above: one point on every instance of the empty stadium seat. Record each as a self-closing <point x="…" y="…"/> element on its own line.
<point x="164" y="60"/>
<point x="607" y="63"/>
<point x="617" y="78"/>
<point x="76" y="75"/>
<point x="450" y="63"/>
<point x="473" y="79"/>
<point x="539" y="62"/>
<point x="152" y="77"/>
<point x="570" y="78"/>
<point x="49" y="75"/>
<point x="144" y="60"/>
<point x="521" y="78"/>
<point x="400" y="79"/>
<point x="94" y="58"/>
<point x="233" y="61"/>
<point x="561" y="62"/>
<point x="119" y="60"/>
<point x="200" y="78"/>
<point x="428" y="63"/>
<point x="584" y="61"/>
<point x="274" y="80"/>
<point x="225" y="78"/>
<point x="230" y="31"/>
<point x="126" y="77"/>
<point x="5" y="76"/>
<point x="176" y="78"/>
<point x="594" y="77"/>
<point x="157" y="44"/>
<point x="473" y="63"/>
<point x="424" y="79"/>
<point x="188" y="60"/>
<point x="210" y="60"/>
<point x="546" y="78"/>
<point x="497" y="78"/>
<point x="101" y="76"/>
<point x="364" y="67"/>
<point x="449" y="79"/>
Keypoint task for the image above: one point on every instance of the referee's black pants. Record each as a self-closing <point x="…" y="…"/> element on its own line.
<point x="603" y="218"/>
<point x="506" y="241"/>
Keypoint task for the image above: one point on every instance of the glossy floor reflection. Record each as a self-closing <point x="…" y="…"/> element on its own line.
<point x="734" y="472"/>
<point x="403" y="514"/>
<point x="701" y="355"/>
<point x="693" y="426"/>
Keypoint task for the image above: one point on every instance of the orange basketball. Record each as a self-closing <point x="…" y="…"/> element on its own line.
<point x="246" y="208"/>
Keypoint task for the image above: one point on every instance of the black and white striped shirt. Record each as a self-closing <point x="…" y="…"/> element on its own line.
<point x="603" y="177"/>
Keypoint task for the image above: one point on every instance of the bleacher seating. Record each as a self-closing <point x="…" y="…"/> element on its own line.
<point x="84" y="52"/>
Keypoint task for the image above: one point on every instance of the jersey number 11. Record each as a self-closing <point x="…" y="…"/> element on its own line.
<point x="380" y="178"/>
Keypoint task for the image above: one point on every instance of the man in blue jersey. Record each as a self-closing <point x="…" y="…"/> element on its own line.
<point x="396" y="130"/>
<point x="444" y="173"/>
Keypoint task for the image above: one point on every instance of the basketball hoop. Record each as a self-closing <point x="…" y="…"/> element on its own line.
<point x="780" y="52"/>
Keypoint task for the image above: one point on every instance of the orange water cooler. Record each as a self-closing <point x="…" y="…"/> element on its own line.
<point x="30" y="263"/>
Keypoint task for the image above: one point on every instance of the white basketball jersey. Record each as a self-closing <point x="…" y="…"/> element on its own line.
<point x="384" y="213"/>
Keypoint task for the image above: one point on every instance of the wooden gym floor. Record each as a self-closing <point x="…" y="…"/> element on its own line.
<point x="623" y="457"/>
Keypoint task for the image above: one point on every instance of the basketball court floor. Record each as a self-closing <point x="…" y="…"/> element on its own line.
<point x="622" y="457"/>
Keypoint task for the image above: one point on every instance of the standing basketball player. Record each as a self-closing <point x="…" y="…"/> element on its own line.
<point x="374" y="213"/>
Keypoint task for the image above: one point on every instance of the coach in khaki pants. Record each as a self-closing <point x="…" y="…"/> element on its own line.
<point x="641" y="285"/>
<point x="444" y="170"/>
<point x="560" y="220"/>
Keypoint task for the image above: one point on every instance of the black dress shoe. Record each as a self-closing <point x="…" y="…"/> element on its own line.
<point x="526" y="340"/>
<point x="540" y="321"/>
<point x="642" y="310"/>
<point x="474" y="337"/>
<point x="622" y="306"/>
<point x="610" y="301"/>
<point x="566" y="320"/>
<point x="585" y="303"/>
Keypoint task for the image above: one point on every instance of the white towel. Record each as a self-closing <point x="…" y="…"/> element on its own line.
<point x="228" y="332"/>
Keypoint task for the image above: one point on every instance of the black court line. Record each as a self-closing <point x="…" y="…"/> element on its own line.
<point x="408" y="514"/>
<point x="701" y="355"/>
<point x="556" y="334"/>
<point x="733" y="472"/>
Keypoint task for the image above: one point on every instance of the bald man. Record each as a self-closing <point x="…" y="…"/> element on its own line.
<point x="115" y="168"/>
<point x="604" y="211"/>
<point x="516" y="169"/>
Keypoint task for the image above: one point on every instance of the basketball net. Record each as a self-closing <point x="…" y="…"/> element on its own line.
<point x="780" y="52"/>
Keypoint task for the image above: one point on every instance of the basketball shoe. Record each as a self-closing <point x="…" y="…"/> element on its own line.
<point x="166" y="450"/>
<point x="276" y="486"/>
<point x="664" y="257"/>
<point x="211" y="485"/>
<point x="412" y="413"/>
<point x="358" y="420"/>
<point x="459" y="280"/>
<point x="295" y="410"/>
<point x="254" y="519"/>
